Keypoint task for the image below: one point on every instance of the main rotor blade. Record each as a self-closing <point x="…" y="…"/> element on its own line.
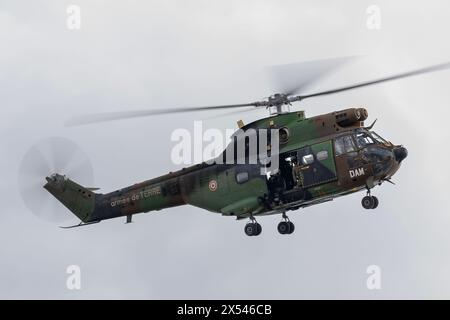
<point x="433" y="68"/>
<point x="293" y="78"/>
<point x="110" y="116"/>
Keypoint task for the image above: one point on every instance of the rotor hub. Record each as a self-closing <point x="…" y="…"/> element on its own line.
<point x="278" y="99"/>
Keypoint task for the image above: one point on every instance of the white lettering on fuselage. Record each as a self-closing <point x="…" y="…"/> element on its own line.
<point x="137" y="196"/>
<point x="356" y="172"/>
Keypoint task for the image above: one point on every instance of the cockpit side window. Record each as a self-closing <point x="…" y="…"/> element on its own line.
<point x="343" y="145"/>
<point x="363" y="139"/>
<point x="348" y="144"/>
<point x="339" y="146"/>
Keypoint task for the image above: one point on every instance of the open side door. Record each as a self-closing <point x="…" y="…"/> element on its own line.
<point x="316" y="164"/>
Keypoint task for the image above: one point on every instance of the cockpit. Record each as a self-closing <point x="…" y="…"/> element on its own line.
<point x="357" y="140"/>
<point x="361" y="147"/>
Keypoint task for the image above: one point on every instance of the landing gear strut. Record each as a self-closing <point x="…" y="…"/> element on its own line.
<point x="286" y="226"/>
<point x="369" y="202"/>
<point x="253" y="228"/>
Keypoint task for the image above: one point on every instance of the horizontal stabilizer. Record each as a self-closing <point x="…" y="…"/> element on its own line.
<point x="81" y="224"/>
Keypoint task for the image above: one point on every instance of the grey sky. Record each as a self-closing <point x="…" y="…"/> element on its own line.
<point x="155" y="54"/>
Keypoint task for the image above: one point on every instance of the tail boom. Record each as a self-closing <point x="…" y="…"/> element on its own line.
<point x="91" y="207"/>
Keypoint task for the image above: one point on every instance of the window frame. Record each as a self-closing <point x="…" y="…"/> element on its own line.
<point x="378" y="138"/>
<point x="344" y="145"/>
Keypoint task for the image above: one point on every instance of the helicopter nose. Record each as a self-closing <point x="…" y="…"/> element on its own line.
<point x="400" y="153"/>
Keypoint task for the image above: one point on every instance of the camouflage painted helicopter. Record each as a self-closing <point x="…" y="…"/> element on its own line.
<point x="320" y="158"/>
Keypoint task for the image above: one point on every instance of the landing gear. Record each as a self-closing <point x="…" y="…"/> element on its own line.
<point x="376" y="202"/>
<point x="253" y="228"/>
<point x="369" y="202"/>
<point x="286" y="226"/>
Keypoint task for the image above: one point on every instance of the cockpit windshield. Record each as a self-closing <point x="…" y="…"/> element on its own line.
<point x="378" y="138"/>
<point x="363" y="139"/>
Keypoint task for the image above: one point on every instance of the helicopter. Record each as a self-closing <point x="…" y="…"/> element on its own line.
<point x="319" y="158"/>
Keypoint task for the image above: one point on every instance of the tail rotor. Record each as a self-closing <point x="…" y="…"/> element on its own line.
<point x="44" y="158"/>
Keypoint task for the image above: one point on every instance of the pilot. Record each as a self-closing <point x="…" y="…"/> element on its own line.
<point x="361" y="140"/>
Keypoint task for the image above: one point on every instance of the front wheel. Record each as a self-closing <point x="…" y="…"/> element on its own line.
<point x="368" y="202"/>
<point x="375" y="199"/>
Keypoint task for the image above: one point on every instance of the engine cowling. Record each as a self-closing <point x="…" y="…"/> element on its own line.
<point x="351" y="116"/>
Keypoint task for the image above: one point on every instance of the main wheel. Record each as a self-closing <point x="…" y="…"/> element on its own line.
<point x="283" y="227"/>
<point x="291" y="227"/>
<point x="368" y="202"/>
<point x="258" y="229"/>
<point x="250" y="229"/>
<point x="376" y="202"/>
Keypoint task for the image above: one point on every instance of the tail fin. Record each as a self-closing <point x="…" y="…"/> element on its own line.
<point x="78" y="199"/>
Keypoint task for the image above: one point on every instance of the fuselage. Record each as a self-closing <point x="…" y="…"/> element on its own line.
<point x="320" y="158"/>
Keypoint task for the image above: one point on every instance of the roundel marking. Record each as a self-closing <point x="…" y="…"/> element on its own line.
<point x="212" y="185"/>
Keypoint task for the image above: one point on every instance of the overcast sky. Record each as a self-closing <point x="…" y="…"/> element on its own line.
<point x="154" y="54"/>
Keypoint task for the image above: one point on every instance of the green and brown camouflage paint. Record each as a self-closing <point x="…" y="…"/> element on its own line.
<point x="214" y="187"/>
